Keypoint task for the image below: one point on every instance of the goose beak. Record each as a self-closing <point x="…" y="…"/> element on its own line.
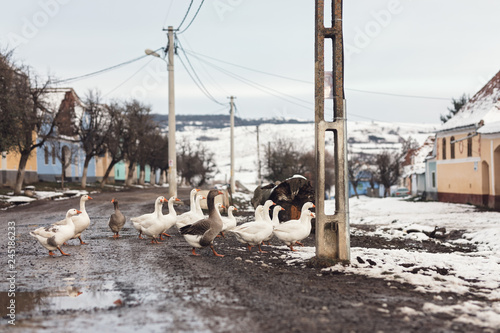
<point x="112" y="200"/>
<point x="90" y="198"/>
<point x="177" y="199"/>
<point x="222" y="206"/>
<point x="282" y="208"/>
<point x="220" y="192"/>
<point x="313" y="215"/>
<point x="78" y="212"/>
<point x="314" y="206"/>
<point x="197" y="189"/>
<point x="235" y="208"/>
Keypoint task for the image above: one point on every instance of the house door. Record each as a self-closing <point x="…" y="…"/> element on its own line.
<point x="496" y="171"/>
<point x="486" y="182"/>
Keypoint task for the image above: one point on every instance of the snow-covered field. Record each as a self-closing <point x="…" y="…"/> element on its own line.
<point x="369" y="137"/>
<point x="475" y="273"/>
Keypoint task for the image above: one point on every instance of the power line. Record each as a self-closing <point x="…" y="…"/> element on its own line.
<point x="185" y="15"/>
<point x="250" y="69"/>
<point x="168" y="12"/>
<point x="396" y="95"/>
<point x="75" y="78"/>
<point x="260" y="87"/>
<point x="195" y="14"/>
<point x="309" y="82"/>
<point x="197" y="81"/>
<point x="127" y="79"/>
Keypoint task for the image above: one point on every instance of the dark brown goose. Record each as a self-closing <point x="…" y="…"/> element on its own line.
<point x="203" y="232"/>
<point x="116" y="220"/>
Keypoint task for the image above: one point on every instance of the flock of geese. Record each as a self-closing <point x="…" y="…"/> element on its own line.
<point x="198" y="230"/>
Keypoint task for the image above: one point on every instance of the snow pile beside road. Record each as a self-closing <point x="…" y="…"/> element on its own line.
<point x="475" y="273"/>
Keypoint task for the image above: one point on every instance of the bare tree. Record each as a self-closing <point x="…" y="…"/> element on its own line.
<point x="138" y="121"/>
<point x="93" y="130"/>
<point x="282" y="160"/>
<point x="195" y="164"/>
<point x="354" y="168"/>
<point x="12" y="90"/>
<point x="388" y="170"/>
<point x="27" y="119"/>
<point x="66" y="154"/>
<point x="115" y="140"/>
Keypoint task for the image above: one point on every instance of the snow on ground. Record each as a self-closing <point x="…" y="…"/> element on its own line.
<point x="476" y="273"/>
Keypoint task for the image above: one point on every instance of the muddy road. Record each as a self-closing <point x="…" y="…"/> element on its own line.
<point x="131" y="285"/>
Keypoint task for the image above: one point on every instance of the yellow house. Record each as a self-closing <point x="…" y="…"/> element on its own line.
<point x="10" y="165"/>
<point x="468" y="151"/>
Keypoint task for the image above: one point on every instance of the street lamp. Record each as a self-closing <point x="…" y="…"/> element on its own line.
<point x="172" y="154"/>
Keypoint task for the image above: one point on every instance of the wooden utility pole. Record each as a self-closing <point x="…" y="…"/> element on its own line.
<point x="232" y="145"/>
<point x="332" y="231"/>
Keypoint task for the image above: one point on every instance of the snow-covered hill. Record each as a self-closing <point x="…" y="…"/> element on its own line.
<point x="366" y="137"/>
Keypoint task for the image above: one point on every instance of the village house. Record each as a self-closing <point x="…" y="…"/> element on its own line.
<point x="467" y="151"/>
<point x="414" y="167"/>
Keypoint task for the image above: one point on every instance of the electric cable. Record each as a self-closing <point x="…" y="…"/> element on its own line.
<point x="185" y="15"/>
<point x="195" y="14"/>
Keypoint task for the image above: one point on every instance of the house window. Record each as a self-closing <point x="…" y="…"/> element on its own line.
<point x="433" y="179"/>
<point x="444" y="148"/>
<point x="452" y="147"/>
<point x="54" y="155"/>
<point x="46" y="155"/>
<point x="469" y="145"/>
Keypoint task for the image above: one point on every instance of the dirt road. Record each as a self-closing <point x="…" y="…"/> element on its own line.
<point x="129" y="284"/>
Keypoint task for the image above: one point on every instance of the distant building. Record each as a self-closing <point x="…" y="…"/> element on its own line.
<point x="414" y="167"/>
<point x="468" y="151"/>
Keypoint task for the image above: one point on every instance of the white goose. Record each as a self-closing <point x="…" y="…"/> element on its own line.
<point x="137" y="221"/>
<point x="170" y="219"/>
<point x="81" y="221"/>
<point x="203" y="232"/>
<point x="267" y="208"/>
<point x="275" y="221"/>
<point x="154" y="227"/>
<point x="193" y="215"/>
<point x="192" y="205"/>
<point x="253" y="233"/>
<point x="53" y="236"/>
<point x="229" y="221"/>
<point x="293" y="231"/>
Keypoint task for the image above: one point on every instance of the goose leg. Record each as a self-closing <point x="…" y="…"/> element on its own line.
<point x="291" y="247"/>
<point x="51" y="253"/>
<point x="260" y="250"/>
<point x="299" y="243"/>
<point x="140" y="235"/>
<point x="81" y="242"/>
<point x="249" y="247"/>
<point x="60" y="250"/>
<point x="215" y="253"/>
<point x="165" y="234"/>
<point x="194" y="252"/>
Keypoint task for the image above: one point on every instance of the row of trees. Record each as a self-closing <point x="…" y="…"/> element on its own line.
<point x="123" y="130"/>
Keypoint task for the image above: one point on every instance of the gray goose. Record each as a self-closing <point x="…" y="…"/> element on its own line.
<point x="203" y="232"/>
<point x="116" y="220"/>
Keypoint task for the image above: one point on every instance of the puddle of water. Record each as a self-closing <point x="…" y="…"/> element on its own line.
<point x="69" y="298"/>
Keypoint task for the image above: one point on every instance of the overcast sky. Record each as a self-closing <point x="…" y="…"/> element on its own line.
<point x="433" y="49"/>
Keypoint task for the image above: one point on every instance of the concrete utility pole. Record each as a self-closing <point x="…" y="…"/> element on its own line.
<point x="232" y="144"/>
<point x="332" y="231"/>
<point x="172" y="154"/>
